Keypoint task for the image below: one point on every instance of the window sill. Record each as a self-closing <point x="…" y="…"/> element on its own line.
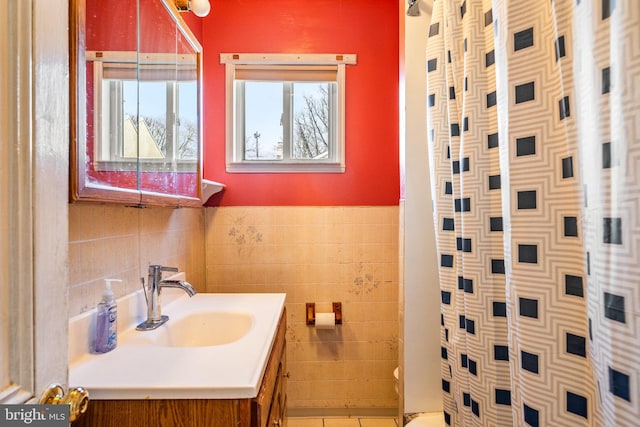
<point x="281" y="167"/>
<point x="146" y="165"/>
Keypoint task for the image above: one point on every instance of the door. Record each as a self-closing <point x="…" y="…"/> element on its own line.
<point x="34" y="127"/>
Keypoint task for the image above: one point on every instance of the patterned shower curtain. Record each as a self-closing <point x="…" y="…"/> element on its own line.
<point x="534" y="143"/>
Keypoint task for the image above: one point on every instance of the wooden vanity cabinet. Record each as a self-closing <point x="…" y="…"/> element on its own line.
<point x="268" y="408"/>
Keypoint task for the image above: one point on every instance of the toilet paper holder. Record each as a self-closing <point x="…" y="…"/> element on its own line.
<point x="311" y="313"/>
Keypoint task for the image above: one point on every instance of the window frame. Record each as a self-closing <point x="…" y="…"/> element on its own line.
<point x="106" y="151"/>
<point x="235" y="161"/>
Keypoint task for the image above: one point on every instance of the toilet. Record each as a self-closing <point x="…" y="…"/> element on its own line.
<point x="428" y="419"/>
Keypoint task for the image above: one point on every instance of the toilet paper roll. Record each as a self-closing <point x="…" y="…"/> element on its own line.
<point x="325" y="320"/>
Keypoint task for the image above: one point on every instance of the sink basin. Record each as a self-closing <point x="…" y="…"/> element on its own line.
<point x="214" y="346"/>
<point x="204" y="329"/>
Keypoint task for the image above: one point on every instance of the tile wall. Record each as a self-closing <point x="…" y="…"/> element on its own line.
<point x="114" y="241"/>
<point x="313" y="254"/>
<point x="321" y="255"/>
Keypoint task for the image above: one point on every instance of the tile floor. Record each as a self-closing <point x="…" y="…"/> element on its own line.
<point x="342" y="422"/>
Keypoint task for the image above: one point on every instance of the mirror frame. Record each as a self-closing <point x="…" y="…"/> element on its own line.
<point x="79" y="189"/>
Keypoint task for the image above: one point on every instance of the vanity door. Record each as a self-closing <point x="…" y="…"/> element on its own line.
<point x="277" y="414"/>
<point x="168" y="107"/>
<point x="268" y="408"/>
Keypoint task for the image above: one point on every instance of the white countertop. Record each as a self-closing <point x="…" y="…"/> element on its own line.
<point x="138" y="369"/>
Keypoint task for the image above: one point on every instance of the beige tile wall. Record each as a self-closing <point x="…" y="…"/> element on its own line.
<point x="321" y="255"/>
<point x="114" y="241"/>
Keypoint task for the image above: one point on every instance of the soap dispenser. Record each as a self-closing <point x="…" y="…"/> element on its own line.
<point x="107" y="320"/>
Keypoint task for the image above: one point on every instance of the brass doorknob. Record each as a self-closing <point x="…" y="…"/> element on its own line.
<point x="77" y="399"/>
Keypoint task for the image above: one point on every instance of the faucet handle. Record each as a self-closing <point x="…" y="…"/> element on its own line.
<point x="155" y="269"/>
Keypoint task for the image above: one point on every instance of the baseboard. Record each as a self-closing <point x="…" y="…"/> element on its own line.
<point x="340" y="412"/>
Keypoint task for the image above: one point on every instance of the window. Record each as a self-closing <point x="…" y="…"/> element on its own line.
<point x="285" y="113"/>
<point x="144" y="114"/>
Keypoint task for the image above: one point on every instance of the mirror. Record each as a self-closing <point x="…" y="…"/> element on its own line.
<point x="136" y="78"/>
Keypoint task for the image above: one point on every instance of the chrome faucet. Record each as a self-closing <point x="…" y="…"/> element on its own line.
<point x="155" y="283"/>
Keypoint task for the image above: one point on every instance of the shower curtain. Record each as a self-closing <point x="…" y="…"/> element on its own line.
<point x="534" y="145"/>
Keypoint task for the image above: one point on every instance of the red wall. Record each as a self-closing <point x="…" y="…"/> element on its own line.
<point x="368" y="28"/>
<point x="112" y="27"/>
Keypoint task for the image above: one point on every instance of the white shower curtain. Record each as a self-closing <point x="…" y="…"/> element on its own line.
<point x="534" y="143"/>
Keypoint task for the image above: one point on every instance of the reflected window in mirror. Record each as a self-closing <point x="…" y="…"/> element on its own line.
<point x="145" y="115"/>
